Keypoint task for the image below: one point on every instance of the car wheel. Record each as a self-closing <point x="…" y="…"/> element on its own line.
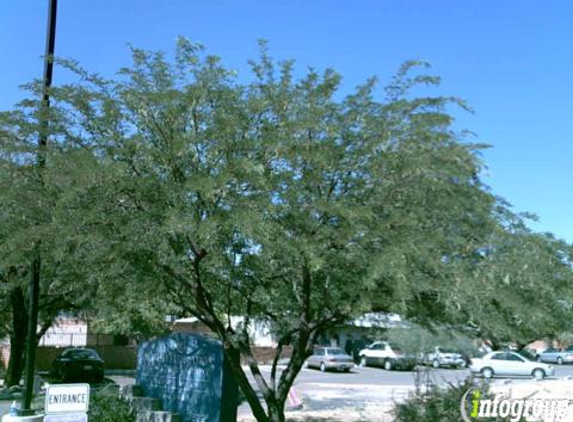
<point x="322" y="367"/>
<point x="462" y="365"/>
<point x="559" y="361"/>
<point x="363" y="361"/>
<point x="487" y="372"/>
<point x="436" y="363"/>
<point x="388" y="365"/>
<point x="538" y="374"/>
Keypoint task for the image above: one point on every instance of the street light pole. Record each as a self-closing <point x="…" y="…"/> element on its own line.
<point x="36" y="260"/>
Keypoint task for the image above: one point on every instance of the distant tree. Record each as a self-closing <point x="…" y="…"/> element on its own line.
<point x="521" y="285"/>
<point x="277" y="200"/>
<point x="564" y="337"/>
<point x="417" y="340"/>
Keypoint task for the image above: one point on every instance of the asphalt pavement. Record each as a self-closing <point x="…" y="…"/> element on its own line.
<point x="377" y="376"/>
<point x="374" y="387"/>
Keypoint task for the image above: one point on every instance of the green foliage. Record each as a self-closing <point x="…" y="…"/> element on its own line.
<point x="273" y="183"/>
<point x="565" y="337"/>
<point x="177" y="189"/>
<point x="39" y="213"/>
<point x="278" y="200"/>
<point x="522" y="286"/>
<point x="107" y="406"/>
<point x="417" y="340"/>
<point x="439" y="405"/>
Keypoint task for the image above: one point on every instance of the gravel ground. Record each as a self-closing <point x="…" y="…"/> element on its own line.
<point x="364" y="413"/>
<point x="345" y="403"/>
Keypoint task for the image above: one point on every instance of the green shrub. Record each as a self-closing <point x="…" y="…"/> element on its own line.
<point x="440" y="405"/>
<point x="107" y="406"/>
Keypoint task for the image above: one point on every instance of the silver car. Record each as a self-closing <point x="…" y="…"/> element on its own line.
<point x="443" y="357"/>
<point x="558" y="356"/>
<point x="325" y="358"/>
<point x="510" y="363"/>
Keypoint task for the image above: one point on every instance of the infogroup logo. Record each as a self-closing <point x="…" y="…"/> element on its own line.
<point x="475" y="406"/>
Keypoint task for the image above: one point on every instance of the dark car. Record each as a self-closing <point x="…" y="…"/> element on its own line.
<point x="78" y="364"/>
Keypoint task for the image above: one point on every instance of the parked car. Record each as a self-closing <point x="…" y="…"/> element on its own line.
<point x="380" y="353"/>
<point x="78" y="364"/>
<point x="558" y="356"/>
<point x="509" y="363"/>
<point x="325" y="358"/>
<point x="444" y="357"/>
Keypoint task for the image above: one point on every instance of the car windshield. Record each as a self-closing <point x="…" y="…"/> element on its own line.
<point x="336" y="352"/>
<point x="81" y="354"/>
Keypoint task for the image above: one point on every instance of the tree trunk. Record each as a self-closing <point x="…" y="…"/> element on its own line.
<point x="17" y="337"/>
<point x="274" y="399"/>
<point x="233" y="358"/>
<point x="276" y="411"/>
<point x="495" y="344"/>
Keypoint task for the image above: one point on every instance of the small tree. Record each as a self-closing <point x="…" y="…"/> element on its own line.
<point x="35" y="219"/>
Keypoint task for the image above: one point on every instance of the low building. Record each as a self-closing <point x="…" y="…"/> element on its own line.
<point x="259" y="332"/>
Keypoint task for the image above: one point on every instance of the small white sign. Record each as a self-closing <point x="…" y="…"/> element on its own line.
<point x="67" y="398"/>
<point x="66" y="417"/>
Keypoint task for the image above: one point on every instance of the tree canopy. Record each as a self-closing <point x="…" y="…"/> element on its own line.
<point x="177" y="188"/>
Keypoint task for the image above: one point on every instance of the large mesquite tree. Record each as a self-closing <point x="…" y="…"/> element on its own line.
<point x="277" y="200"/>
<point x="178" y="188"/>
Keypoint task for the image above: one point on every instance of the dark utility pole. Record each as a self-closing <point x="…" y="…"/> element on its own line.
<point x="36" y="260"/>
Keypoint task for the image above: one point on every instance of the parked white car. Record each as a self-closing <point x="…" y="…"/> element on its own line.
<point x="380" y="353"/>
<point x="509" y="363"/>
<point x="443" y="357"/>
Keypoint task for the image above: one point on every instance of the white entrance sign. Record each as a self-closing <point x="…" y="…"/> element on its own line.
<point x="67" y="398"/>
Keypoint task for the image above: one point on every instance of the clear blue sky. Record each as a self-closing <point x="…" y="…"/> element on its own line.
<point x="511" y="60"/>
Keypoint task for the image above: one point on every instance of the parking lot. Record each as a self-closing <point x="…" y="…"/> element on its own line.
<point x="380" y="377"/>
<point x="368" y="391"/>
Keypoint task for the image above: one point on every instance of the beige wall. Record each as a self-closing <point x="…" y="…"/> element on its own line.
<point x="125" y="357"/>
